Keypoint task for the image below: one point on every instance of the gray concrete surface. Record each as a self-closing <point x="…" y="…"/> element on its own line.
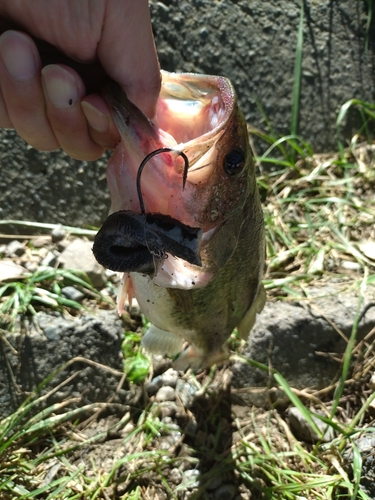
<point x="302" y="341"/>
<point x="27" y="359"/>
<point x="252" y="42"/>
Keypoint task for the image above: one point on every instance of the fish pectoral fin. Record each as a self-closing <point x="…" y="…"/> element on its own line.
<point x="159" y="341"/>
<point x="247" y="322"/>
<point x="195" y="358"/>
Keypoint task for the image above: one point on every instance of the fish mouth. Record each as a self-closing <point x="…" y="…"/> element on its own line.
<point x="132" y="242"/>
<point x="193" y="114"/>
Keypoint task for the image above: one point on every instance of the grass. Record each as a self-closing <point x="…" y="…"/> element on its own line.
<point x="19" y="298"/>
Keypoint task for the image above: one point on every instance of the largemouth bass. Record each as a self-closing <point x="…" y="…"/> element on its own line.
<point x="188" y="230"/>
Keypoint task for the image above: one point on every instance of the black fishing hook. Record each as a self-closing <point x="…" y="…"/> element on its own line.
<point x="142" y="165"/>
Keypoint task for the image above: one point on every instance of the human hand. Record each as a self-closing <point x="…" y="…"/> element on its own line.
<point x="49" y="106"/>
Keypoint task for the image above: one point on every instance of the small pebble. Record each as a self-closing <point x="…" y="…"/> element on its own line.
<point x="52" y="333"/>
<point x="10" y="270"/>
<point x="165" y="394"/>
<point x="71" y="293"/>
<point x="191" y="476"/>
<point x="168" y="409"/>
<point x="32" y="267"/>
<point x="16" y="248"/>
<point x="191" y="428"/>
<point x="49" y="260"/>
<point x="170" y="377"/>
<point x="185" y="392"/>
<point x="154" y="385"/>
<point x="129" y="427"/>
<point x="175" y="476"/>
<point x="58" y="233"/>
<point x="160" y="363"/>
<point x="215" y="482"/>
<point x="302" y="429"/>
<point x="41" y="241"/>
<point x="350" y="266"/>
<point x="225" y="492"/>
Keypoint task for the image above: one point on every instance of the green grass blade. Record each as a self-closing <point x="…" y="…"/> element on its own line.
<point x="297" y="74"/>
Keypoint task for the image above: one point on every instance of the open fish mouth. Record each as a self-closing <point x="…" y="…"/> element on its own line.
<point x="131" y="242"/>
<point x="164" y="229"/>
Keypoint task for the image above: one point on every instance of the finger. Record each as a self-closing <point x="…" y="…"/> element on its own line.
<point x="129" y="55"/>
<point x="22" y="91"/>
<point x="4" y="117"/>
<point x="64" y="90"/>
<point x="102" y="128"/>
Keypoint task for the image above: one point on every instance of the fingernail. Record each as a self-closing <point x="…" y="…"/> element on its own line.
<point x="60" y="85"/>
<point x="17" y="55"/>
<point x="96" y="119"/>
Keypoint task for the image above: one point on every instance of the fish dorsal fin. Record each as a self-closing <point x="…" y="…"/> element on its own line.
<point x="247" y="322"/>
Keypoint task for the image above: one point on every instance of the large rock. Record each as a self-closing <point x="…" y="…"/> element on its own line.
<point x="302" y="341"/>
<point x="251" y="42"/>
<point x="26" y="360"/>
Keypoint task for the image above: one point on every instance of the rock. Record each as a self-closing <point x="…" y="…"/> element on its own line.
<point x="170" y="377"/>
<point x="168" y="410"/>
<point x="368" y="249"/>
<point x="16" y="248"/>
<point x="225" y="492"/>
<point x="9" y="270"/>
<point x="191" y="477"/>
<point x="32" y="267"/>
<point x="185" y="392"/>
<point x="78" y="255"/>
<point x="58" y="233"/>
<point x="365" y="445"/>
<point x="41" y="241"/>
<point x="303" y="431"/>
<point x="50" y="260"/>
<point x="214" y="483"/>
<point x="191" y="428"/>
<point x="154" y="385"/>
<point x="296" y="339"/>
<point x="71" y="293"/>
<point x="175" y="476"/>
<point x="165" y="393"/>
<point x="349" y="265"/>
<point x="56" y="340"/>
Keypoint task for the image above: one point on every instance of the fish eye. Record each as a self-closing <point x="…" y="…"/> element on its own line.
<point x="234" y="162"/>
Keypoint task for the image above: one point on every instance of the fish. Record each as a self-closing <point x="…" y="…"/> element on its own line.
<point x="186" y="225"/>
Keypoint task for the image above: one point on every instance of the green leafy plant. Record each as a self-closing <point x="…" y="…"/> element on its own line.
<point x="43" y="287"/>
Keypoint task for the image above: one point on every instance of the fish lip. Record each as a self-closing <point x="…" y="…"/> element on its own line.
<point x="132" y="242"/>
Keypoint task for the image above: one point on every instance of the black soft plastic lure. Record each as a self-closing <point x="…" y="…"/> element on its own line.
<point x="132" y="242"/>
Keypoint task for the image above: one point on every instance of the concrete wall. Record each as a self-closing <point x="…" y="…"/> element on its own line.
<point x="252" y="42"/>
